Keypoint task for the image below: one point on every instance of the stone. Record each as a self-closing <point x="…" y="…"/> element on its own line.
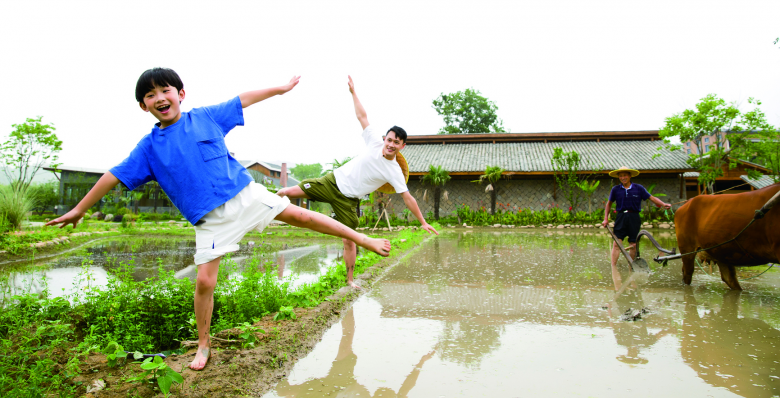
<point x="469" y="226"/>
<point x="385" y="229"/>
<point x="171" y="222"/>
<point x="664" y="226"/>
<point x="464" y="224"/>
<point x="496" y="225"/>
<point x="109" y="217"/>
<point x="561" y="227"/>
<point x="403" y="240"/>
<point x="97" y="215"/>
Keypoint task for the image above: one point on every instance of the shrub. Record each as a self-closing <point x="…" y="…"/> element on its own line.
<point x="15" y="203"/>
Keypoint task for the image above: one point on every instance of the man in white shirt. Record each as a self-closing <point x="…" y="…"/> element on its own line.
<point x="374" y="167"/>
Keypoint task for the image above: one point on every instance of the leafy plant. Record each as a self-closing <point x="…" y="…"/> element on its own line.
<point x="285" y="312"/>
<point x="15" y="203"/>
<point x="248" y="333"/>
<point x="160" y="372"/>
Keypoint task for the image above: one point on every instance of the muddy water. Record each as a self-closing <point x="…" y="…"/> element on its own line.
<point x="487" y="314"/>
<point x="299" y="263"/>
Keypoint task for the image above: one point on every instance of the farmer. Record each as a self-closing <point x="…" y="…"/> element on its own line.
<point x="380" y="167"/>
<point x="629" y="197"/>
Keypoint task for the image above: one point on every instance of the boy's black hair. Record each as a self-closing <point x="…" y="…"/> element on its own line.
<point x="399" y="133"/>
<point x="162" y="77"/>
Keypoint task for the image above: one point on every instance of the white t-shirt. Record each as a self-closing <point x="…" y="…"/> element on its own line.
<point x="369" y="170"/>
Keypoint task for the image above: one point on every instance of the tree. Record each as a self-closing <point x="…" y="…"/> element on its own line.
<point x="304" y="171"/>
<point x="437" y="177"/>
<point x="757" y="141"/>
<point x="713" y="117"/>
<point x="467" y="112"/>
<point x="571" y="173"/>
<point x="46" y="195"/>
<point x="492" y="175"/>
<point x="28" y="147"/>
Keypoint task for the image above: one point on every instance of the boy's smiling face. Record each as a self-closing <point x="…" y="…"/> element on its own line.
<point x="163" y="103"/>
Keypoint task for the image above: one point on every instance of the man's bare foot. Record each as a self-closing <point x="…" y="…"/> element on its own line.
<point x="353" y="285"/>
<point x="201" y="357"/>
<point x="379" y="246"/>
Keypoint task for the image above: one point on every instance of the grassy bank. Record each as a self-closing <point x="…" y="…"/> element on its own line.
<point x="45" y="342"/>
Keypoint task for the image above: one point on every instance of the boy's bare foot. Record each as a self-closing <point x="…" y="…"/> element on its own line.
<point x="353" y="285"/>
<point x="201" y="358"/>
<point x="379" y="246"/>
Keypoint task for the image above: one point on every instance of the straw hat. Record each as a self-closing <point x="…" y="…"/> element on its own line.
<point x="387" y="188"/>
<point x="614" y="173"/>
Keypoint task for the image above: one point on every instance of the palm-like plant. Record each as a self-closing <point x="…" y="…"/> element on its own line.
<point x="336" y="164"/>
<point x="492" y="175"/>
<point x="437" y="177"/>
<point x="588" y="187"/>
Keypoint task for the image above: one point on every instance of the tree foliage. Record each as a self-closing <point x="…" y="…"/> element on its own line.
<point x="46" y="195"/>
<point x="714" y="117"/>
<point x="304" y="171"/>
<point x="571" y="173"/>
<point x="437" y="176"/>
<point x="28" y="147"/>
<point x="467" y="112"/>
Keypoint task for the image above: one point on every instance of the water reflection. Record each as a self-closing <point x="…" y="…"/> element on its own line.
<point x="508" y="312"/>
<point x="341" y="381"/>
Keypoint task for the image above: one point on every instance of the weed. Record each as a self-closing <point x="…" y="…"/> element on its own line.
<point x="286" y="312"/>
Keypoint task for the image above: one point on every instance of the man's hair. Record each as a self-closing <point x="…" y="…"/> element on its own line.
<point x="151" y="78"/>
<point x="399" y="133"/>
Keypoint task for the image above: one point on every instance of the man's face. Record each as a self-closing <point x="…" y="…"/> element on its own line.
<point x="163" y="103"/>
<point x="624" y="177"/>
<point x="391" y="146"/>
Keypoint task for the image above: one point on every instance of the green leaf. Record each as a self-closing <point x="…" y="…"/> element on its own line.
<point x="164" y="382"/>
<point x="176" y="377"/>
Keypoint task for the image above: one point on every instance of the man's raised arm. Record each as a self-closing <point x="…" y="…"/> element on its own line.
<point x="360" y="112"/>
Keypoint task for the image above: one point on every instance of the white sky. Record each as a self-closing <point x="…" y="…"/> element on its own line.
<point x="550" y="66"/>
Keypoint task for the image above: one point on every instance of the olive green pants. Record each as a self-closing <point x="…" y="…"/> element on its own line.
<point x="324" y="189"/>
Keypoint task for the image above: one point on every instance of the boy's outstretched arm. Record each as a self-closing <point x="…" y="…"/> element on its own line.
<point x="411" y="203"/>
<point x="359" y="110"/>
<point x="253" y="97"/>
<point x="106" y="183"/>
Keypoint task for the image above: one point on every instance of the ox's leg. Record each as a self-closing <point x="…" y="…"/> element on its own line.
<point x="729" y="275"/>
<point x="688" y="267"/>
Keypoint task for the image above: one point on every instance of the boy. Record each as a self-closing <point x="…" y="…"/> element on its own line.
<point x="362" y="175"/>
<point x="186" y="154"/>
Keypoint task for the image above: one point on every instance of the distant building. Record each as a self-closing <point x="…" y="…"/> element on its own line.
<point x="528" y="181"/>
<point x="707" y="143"/>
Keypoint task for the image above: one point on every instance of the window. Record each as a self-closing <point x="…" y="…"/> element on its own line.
<point x="706" y="140"/>
<point x="706" y="148"/>
<point x="689" y="152"/>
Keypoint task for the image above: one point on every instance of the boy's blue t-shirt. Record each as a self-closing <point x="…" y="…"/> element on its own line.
<point x="189" y="160"/>
<point x="628" y="199"/>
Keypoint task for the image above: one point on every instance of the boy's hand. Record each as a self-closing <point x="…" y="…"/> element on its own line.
<point x="429" y="228"/>
<point x="71" y="217"/>
<point x="351" y="85"/>
<point x="289" y="86"/>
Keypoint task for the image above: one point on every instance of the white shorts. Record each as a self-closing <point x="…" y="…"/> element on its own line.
<point x="220" y="230"/>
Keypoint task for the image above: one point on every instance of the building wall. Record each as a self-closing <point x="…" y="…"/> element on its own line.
<point x="518" y="194"/>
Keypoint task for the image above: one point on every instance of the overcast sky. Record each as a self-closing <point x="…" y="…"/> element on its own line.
<point x="550" y="66"/>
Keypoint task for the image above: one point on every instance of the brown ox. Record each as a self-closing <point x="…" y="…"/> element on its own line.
<point x="708" y="220"/>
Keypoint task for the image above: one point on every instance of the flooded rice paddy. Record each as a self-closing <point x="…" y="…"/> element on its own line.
<point x="518" y="314"/>
<point x="299" y="262"/>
